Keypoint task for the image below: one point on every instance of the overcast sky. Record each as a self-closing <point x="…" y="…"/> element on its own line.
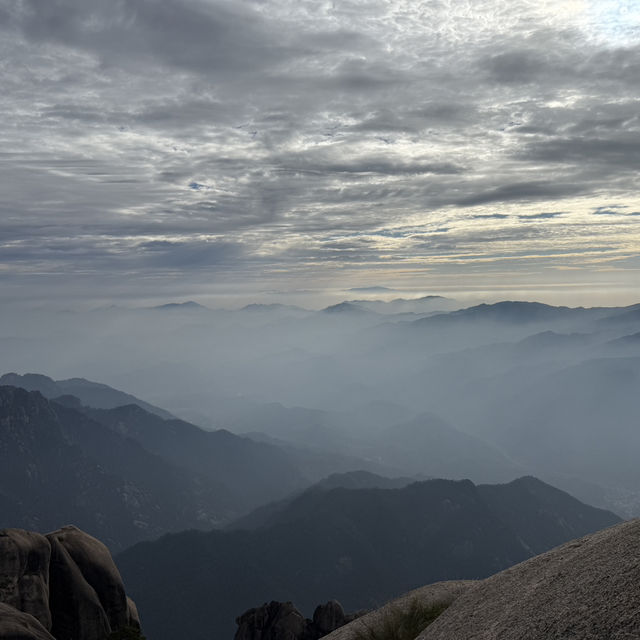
<point x="192" y="148"/>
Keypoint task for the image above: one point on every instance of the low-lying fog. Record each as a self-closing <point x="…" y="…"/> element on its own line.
<point x="490" y="392"/>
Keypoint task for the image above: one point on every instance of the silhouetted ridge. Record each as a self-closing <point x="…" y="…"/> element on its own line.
<point x="92" y="394"/>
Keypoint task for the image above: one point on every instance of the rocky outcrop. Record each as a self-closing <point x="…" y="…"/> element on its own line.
<point x="64" y="585"/>
<point x="587" y="589"/>
<point x="282" y="621"/>
<point x="439" y="592"/>
<point x="272" y="621"/>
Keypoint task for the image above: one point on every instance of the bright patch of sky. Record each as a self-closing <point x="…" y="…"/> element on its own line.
<point x="616" y="21"/>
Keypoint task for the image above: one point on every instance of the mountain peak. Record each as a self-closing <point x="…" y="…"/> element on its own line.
<point x="344" y="307"/>
<point x="189" y="305"/>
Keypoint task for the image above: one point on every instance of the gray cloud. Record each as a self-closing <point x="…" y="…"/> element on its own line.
<point x="304" y="125"/>
<point x="522" y="192"/>
<point x="542" y="216"/>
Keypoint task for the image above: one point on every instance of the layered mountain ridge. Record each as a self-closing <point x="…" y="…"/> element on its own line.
<point x="359" y="546"/>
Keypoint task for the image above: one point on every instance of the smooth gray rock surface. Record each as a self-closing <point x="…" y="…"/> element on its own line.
<point x="76" y="611"/>
<point x="17" y="625"/>
<point x="587" y="589"/>
<point x="430" y="594"/>
<point x="98" y="570"/>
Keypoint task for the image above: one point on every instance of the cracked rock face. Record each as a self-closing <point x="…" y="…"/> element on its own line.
<point x="62" y="585"/>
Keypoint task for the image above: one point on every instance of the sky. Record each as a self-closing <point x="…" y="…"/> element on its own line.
<point x="277" y="150"/>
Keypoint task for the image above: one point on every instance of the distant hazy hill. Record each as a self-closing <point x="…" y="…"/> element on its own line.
<point x="345" y="307"/>
<point x="187" y="477"/>
<point x="516" y="314"/>
<point x="360" y="546"/>
<point x="430" y="445"/>
<point x="92" y="394"/>
<point x="190" y="305"/>
<point x="252" y="472"/>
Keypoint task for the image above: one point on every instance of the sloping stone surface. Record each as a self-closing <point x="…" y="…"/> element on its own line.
<point x="587" y="589"/>
<point x="430" y="594"/>
<point x="76" y="611"/>
<point x="24" y="573"/>
<point x="17" y="625"/>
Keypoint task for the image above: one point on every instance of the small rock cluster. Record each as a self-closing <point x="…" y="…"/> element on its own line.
<point x="282" y="621"/>
<point x="62" y="585"/>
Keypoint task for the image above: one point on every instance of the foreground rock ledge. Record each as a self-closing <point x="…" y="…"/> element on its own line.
<point x="63" y="585"/>
<point x="587" y="589"/>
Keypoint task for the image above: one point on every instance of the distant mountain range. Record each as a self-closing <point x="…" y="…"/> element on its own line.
<point x="125" y="474"/>
<point x="360" y="546"/>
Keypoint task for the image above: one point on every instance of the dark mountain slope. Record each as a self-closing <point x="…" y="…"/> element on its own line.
<point x="59" y="466"/>
<point x="551" y="515"/>
<point x="359" y="546"/>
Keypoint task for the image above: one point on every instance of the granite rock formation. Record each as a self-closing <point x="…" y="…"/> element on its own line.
<point x="282" y="621"/>
<point x="62" y="585"/>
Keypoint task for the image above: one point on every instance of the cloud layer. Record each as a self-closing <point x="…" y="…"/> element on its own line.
<point x="186" y="142"/>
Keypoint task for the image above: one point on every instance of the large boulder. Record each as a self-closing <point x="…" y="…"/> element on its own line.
<point x="63" y="585"/>
<point x="272" y="621"/>
<point x="98" y="570"/>
<point x="17" y="625"/>
<point x="75" y="607"/>
<point x="24" y="573"/>
<point x="587" y="589"/>
<point x="328" y="617"/>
